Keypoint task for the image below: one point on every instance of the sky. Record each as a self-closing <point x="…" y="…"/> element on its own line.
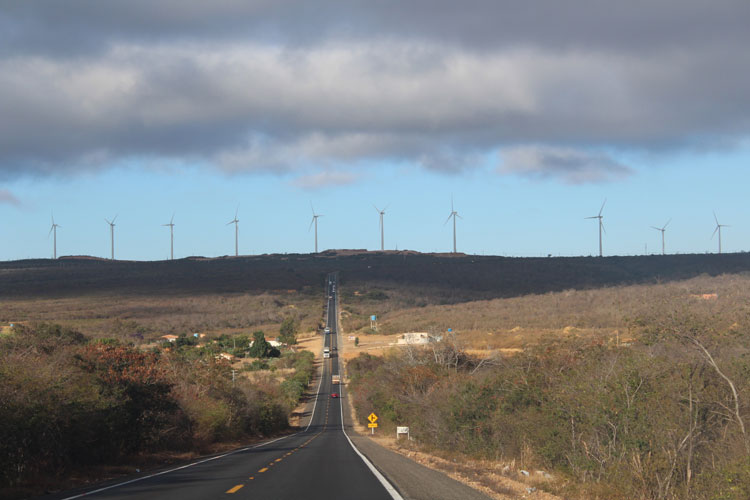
<point x="525" y="115"/>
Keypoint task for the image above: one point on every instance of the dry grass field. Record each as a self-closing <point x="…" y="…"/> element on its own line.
<point x="606" y="314"/>
<point x="143" y="318"/>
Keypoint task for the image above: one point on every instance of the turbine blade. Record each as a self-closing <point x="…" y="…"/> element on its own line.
<point x="376" y="208"/>
<point x="657" y="228"/>
<point x="449" y="218"/>
<point x="603" y="228"/>
<point x="716" y="219"/>
<point x="171" y="221"/>
<point x="311" y="223"/>
<point x="601" y="209"/>
<point x="665" y="225"/>
<point x="312" y="208"/>
<point x="714" y="233"/>
<point x="50" y="230"/>
<point x="113" y="220"/>
<point x="592" y="217"/>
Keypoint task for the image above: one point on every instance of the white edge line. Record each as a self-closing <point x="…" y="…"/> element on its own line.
<point x="312" y="415"/>
<point x="317" y="396"/>
<point x="386" y="484"/>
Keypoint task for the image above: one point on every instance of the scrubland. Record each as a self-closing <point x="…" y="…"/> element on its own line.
<point x="88" y="389"/>
<point x="624" y="380"/>
<point x="145" y="317"/>
<point x="624" y="392"/>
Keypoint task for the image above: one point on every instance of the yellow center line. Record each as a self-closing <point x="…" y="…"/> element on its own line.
<point x="251" y="477"/>
<point x="264" y="469"/>
<point x="235" y="489"/>
<point x="278" y="460"/>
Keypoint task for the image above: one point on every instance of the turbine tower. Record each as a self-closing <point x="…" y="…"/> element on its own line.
<point x="662" y="229"/>
<point x="718" y="230"/>
<point x="601" y="225"/>
<point x="171" y="237"/>
<point x="314" y="221"/>
<point x="235" y="221"/>
<point x="112" y="234"/>
<point x="453" y="214"/>
<point x="53" y="231"/>
<point x="382" y="235"/>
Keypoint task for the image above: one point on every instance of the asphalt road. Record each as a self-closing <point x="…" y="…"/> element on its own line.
<point x="319" y="462"/>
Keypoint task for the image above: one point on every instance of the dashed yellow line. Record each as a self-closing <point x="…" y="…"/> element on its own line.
<point x="264" y="469"/>
<point x="235" y="489"/>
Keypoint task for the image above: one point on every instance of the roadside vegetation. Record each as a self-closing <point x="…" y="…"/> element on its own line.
<point x="647" y="395"/>
<point x="70" y="404"/>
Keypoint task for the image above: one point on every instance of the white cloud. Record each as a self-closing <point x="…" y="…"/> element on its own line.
<point x="9" y="198"/>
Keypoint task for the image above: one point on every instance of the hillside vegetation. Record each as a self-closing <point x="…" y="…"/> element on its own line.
<point x="460" y="277"/>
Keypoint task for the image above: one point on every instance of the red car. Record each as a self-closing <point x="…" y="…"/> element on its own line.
<point x="334" y="394"/>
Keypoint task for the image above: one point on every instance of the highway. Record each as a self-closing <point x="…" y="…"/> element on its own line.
<point x="317" y="462"/>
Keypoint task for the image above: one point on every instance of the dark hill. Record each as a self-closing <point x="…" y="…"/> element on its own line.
<point x="487" y="276"/>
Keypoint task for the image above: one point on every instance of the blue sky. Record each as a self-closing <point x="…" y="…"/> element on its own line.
<point x="528" y="114"/>
<point x="502" y="214"/>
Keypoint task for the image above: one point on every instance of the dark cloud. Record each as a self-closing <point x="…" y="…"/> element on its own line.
<point x="570" y="165"/>
<point x="84" y="25"/>
<point x="287" y="86"/>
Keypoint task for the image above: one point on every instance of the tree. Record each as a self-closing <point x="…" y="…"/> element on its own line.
<point x="261" y="348"/>
<point x="288" y="331"/>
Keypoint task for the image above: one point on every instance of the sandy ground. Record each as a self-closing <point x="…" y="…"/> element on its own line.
<point x="372" y="344"/>
<point x="302" y="412"/>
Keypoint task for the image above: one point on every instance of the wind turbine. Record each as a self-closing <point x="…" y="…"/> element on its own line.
<point x="112" y="234"/>
<point x="53" y="230"/>
<point x="601" y="225"/>
<point x="718" y="229"/>
<point x="171" y="237"/>
<point x="382" y="235"/>
<point x="662" y="229"/>
<point x="453" y="214"/>
<point x="314" y="221"/>
<point x="236" y="232"/>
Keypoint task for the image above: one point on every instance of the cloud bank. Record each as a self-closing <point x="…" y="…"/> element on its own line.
<point x="286" y="86"/>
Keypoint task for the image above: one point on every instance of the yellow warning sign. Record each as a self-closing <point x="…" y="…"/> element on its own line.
<point x="372" y="426"/>
<point x="372" y="418"/>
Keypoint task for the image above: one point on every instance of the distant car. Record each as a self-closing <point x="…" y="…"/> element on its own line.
<point x="333" y="348"/>
<point x="334" y="394"/>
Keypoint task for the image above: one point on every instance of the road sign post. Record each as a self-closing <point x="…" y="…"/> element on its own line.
<point x="373" y="419"/>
